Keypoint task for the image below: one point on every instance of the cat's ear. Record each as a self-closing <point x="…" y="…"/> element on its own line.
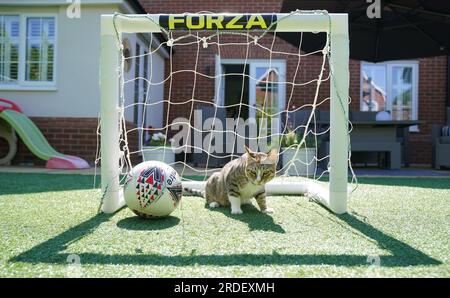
<point x="250" y="152"/>
<point x="273" y="154"/>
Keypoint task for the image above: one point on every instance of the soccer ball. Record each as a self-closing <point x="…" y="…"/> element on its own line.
<point x="152" y="189"/>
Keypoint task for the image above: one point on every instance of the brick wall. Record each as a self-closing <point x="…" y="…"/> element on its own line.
<point x="432" y="103"/>
<point x="73" y="136"/>
<point x="432" y="71"/>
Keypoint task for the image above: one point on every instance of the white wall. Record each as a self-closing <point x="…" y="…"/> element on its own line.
<point x="155" y="70"/>
<point x="155" y="112"/>
<point x="77" y="67"/>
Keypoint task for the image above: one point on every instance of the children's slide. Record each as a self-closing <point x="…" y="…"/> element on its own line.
<point x="35" y="140"/>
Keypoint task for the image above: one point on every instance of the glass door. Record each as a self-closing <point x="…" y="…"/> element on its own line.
<point x="267" y="95"/>
<point x="402" y="93"/>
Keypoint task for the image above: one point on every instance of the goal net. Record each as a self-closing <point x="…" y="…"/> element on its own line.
<point x="213" y="84"/>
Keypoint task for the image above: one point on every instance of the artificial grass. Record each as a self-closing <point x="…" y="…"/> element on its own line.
<point x="399" y="225"/>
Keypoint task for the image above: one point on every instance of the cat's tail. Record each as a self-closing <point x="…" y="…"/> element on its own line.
<point x="195" y="192"/>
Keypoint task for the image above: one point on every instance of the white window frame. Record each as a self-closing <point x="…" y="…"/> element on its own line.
<point x="141" y="91"/>
<point x="253" y="63"/>
<point x="23" y="84"/>
<point x="414" y="64"/>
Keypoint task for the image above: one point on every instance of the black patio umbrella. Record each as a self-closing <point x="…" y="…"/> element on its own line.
<point x="406" y="29"/>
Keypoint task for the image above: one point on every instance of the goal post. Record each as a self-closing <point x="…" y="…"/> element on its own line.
<point x="335" y="25"/>
<point x="112" y="196"/>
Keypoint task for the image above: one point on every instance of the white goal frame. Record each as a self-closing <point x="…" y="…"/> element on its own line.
<point x="112" y="26"/>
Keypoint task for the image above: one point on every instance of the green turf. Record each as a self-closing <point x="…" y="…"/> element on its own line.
<point x="46" y="219"/>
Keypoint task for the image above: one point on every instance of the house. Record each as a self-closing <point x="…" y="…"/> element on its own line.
<point x="415" y="89"/>
<point x="49" y="66"/>
<point x="63" y="97"/>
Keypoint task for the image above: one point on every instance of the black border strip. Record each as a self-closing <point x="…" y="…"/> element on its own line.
<point x="200" y="22"/>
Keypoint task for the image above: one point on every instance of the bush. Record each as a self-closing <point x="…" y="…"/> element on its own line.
<point x="292" y="139"/>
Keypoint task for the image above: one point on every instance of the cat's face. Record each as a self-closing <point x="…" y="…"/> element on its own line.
<point x="260" y="167"/>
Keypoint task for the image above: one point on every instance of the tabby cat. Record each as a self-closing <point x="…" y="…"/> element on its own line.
<point x="240" y="180"/>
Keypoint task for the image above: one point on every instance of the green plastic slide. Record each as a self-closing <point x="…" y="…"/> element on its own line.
<point x="38" y="145"/>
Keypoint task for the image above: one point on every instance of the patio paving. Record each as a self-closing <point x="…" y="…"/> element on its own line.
<point x="405" y="172"/>
<point x="360" y="172"/>
<point x="32" y="169"/>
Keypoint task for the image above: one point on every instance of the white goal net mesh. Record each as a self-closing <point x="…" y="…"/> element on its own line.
<point x="194" y="99"/>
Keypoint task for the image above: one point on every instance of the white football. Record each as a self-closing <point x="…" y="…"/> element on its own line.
<point x="152" y="189"/>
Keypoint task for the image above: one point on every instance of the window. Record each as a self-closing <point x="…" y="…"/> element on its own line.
<point x="267" y="89"/>
<point x="390" y="86"/>
<point x="267" y="94"/>
<point x="40" y="49"/>
<point x="9" y="49"/>
<point x="27" y="51"/>
<point x="264" y="91"/>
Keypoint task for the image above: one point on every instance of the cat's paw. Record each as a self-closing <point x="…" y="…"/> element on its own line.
<point x="213" y="205"/>
<point x="267" y="210"/>
<point x="236" y="211"/>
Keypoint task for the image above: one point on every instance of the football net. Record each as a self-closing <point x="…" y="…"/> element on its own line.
<point x="228" y="81"/>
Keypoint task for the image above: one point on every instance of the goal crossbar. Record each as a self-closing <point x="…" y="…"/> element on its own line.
<point x="336" y="25"/>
